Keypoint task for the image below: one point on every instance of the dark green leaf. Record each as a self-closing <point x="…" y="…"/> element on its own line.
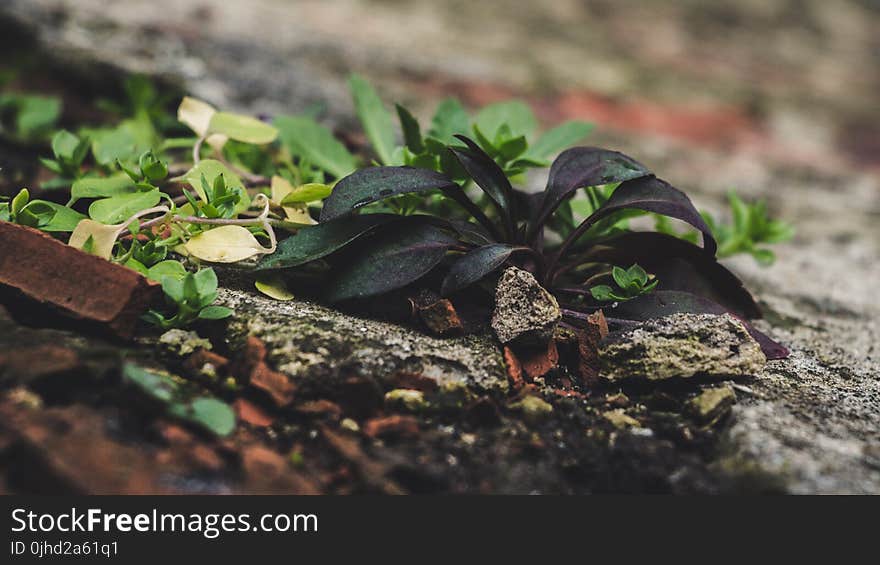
<point x="393" y="259"/>
<point x="475" y="265"/>
<point x="412" y="134"/>
<point x="488" y="176"/>
<point x="377" y="183"/>
<point x="315" y="242"/>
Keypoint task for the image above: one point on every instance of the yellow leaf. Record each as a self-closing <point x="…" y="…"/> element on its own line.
<point x="197" y="115"/>
<point x="295" y="213"/>
<point x="273" y="286"/>
<point x="103" y="237"/>
<point x="224" y="244"/>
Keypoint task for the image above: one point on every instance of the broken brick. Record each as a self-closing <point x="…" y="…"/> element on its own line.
<point x="588" y="346"/>
<point x="320" y="407"/>
<point x="72" y="282"/>
<point x="537" y="362"/>
<point x="400" y="426"/>
<point x="514" y="369"/>
<point x="252" y="414"/>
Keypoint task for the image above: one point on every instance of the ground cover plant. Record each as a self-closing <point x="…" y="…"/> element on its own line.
<point x="285" y="195"/>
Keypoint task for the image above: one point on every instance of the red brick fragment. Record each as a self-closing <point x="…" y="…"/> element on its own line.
<point x="398" y="425"/>
<point x="537" y="362"/>
<point x="252" y="414"/>
<point x="514" y="369"/>
<point x="320" y="407"/>
<point x="251" y="363"/>
<point x="74" y="283"/>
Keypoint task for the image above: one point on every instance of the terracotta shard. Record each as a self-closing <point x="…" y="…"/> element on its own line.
<point x="514" y="369"/>
<point x="76" y="284"/>
<point x="537" y="362"/>
<point x="437" y="314"/>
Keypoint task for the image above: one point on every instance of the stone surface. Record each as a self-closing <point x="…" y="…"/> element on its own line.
<point x="712" y="403"/>
<point x="317" y="347"/>
<point x="525" y="313"/>
<point x="681" y="345"/>
<point x="774" y="101"/>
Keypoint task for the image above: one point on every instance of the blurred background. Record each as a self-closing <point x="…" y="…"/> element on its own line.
<point x="776" y="98"/>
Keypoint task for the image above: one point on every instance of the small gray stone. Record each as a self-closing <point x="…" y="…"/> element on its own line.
<point x="181" y="342"/>
<point x="524" y="311"/>
<point x="681" y="345"/>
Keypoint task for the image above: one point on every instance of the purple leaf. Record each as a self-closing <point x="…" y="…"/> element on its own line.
<point x="580" y="167"/>
<point x="654" y="195"/>
<point x="679" y="265"/>
<point x="475" y="265"/>
<point x="488" y="176"/>
<point x="662" y="303"/>
<point x="377" y="183"/>
<point x="395" y="256"/>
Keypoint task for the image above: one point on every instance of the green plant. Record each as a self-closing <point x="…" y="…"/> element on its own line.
<point x="630" y="283"/>
<point x="191" y="294"/>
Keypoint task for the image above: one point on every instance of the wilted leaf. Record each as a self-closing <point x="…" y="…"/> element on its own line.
<point x="273" y="286"/>
<point x="197" y="115"/>
<point x="224" y="244"/>
<point x="377" y="183"/>
<point x="242" y="128"/>
<point x="315" y="242"/>
<point x="375" y="119"/>
<point x="295" y="211"/>
<point x="305" y="137"/>
<point x="475" y="265"/>
<point x="121" y="207"/>
<point x="101" y="236"/>
<point x="392" y="260"/>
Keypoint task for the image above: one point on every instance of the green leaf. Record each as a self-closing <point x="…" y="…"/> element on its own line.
<point x="211" y="169"/>
<point x="242" y="128"/>
<point x="377" y="183"/>
<point x="392" y="260"/>
<point x="412" y="134"/>
<point x="168" y="268"/>
<point x="58" y="218"/>
<point x="310" y="192"/>
<point x="621" y="277"/>
<point x="315" y="242"/>
<point x="308" y="139"/>
<point x="215" y="313"/>
<point x="376" y="120"/>
<point x="19" y="201"/>
<point x="488" y="176"/>
<point x="64" y="145"/>
<point x="515" y="114"/>
<point x="97" y="187"/>
<point x="37" y="114"/>
<point x="160" y="387"/>
<point x="205" y="281"/>
<point x="214" y="415"/>
<point x="603" y="293"/>
<point x="559" y="138"/>
<point x="449" y="119"/>
<point x="117" y="209"/>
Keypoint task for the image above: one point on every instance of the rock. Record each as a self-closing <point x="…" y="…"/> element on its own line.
<point x="533" y="408"/>
<point x="181" y="343"/>
<point x="620" y="419"/>
<point x="524" y="311"/>
<point x="392" y="426"/>
<point x="588" y="339"/>
<point x="681" y="345"/>
<point x="712" y="403"/>
<point x="405" y="399"/>
<point x="321" y="349"/>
